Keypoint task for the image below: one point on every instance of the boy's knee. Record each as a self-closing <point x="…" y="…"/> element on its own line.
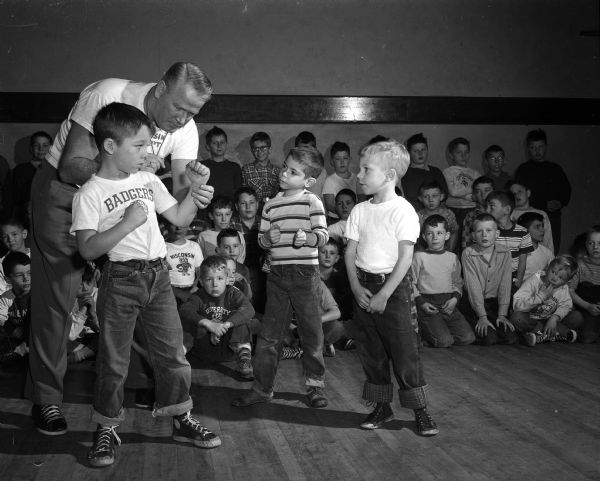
<point x="464" y="339"/>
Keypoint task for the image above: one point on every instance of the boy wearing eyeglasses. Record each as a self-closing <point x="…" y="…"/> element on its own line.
<point x="261" y="175"/>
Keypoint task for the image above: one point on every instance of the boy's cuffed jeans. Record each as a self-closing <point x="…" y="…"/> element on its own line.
<point x="139" y="292"/>
<point x="297" y="287"/>
<point x="391" y="336"/>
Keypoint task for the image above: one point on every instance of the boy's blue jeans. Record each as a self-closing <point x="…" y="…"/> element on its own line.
<point x="139" y="292"/>
<point x="391" y="336"/>
<point x="298" y="287"/>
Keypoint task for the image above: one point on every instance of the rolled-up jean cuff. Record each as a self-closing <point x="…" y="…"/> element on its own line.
<point x="312" y="382"/>
<point x="106" y="421"/>
<point x="173" y="409"/>
<point x="415" y="398"/>
<point x="380" y="393"/>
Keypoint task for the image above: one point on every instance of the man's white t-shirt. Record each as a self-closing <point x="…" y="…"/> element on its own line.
<point x="181" y="144"/>
<point x="378" y="228"/>
<point x="100" y="204"/>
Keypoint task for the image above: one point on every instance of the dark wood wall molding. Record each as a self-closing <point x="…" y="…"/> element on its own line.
<point x="53" y="107"/>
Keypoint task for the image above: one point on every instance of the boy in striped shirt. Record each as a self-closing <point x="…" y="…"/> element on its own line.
<point x="292" y="229"/>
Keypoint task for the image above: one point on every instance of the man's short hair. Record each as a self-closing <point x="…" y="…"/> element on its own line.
<point x="392" y="152"/>
<point x="493" y="149"/>
<point x="39" y="133"/>
<point x="260" y="137"/>
<point x="119" y="121"/>
<point x="483" y="217"/>
<point x="214" y="132"/>
<point x="506" y="199"/>
<point x="229" y="232"/>
<point x="244" y="190"/>
<point x="14" y="259"/>
<point x="528" y="218"/>
<point x="310" y="159"/>
<point x="221" y="202"/>
<point x="212" y="262"/>
<point x="433" y="221"/>
<point x="415" y="139"/>
<point x="191" y="74"/>
<point x="349" y="192"/>
<point x="305" y="137"/>
<point x="432" y="184"/>
<point x="339" y="147"/>
<point x="536" y="135"/>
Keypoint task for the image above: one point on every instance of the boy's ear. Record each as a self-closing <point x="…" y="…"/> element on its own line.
<point x="391" y="175"/>
<point x="308" y="183"/>
<point x="109" y="146"/>
<point x="161" y="88"/>
<point x="528" y="192"/>
<point x="447" y="236"/>
<point x="25" y="233"/>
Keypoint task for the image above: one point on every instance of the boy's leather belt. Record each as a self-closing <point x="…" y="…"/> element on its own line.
<point x="139" y="265"/>
<point x="370" y="277"/>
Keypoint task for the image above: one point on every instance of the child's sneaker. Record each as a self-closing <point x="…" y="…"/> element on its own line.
<point x="533" y="338"/>
<point x="316" y="397"/>
<point x="102" y="452"/>
<point x="48" y="419"/>
<point x="186" y="429"/>
<point x="381" y="414"/>
<point x="570" y="336"/>
<point x="244" y="363"/>
<point x="291" y="353"/>
<point x="426" y="426"/>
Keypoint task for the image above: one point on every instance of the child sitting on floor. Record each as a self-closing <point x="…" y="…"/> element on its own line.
<point x="543" y="301"/>
<point x="345" y="200"/>
<point x="482" y="187"/>
<point x="220" y="212"/>
<point x="541" y="256"/>
<point x="184" y="257"/>
<point x="431" y="197"/>
<point x="14" y="234"/>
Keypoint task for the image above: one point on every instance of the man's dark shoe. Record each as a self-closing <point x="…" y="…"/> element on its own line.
<point x="426" y="426"/>
<point x="381" y="414"/>
<point x="186" y="429"/>
<point x="48" y="419"/>
<point x="316" y="397"/>
<point x="102" y="452"/>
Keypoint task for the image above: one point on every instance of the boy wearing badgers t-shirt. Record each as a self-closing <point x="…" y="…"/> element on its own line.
<point x="114" y="213"/>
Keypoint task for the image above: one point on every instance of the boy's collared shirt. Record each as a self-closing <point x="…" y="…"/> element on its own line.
<point x="264" y="179"/>
<point x="517" y="240"/>
<point x="301" y="211"/>
<point x="101" y="203"/>
<point x="378" y="228"/>
<point x="487" y="279"/>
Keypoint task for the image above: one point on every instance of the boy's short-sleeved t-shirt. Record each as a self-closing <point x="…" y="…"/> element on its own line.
<point x="537" y="260"/>
<point x="378" y="228"/>
<point x="181" y="144"/>
<point x="100" y="204"/>
<point x="183" y="260"/>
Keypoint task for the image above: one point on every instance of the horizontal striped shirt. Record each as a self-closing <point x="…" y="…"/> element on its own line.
<point x="301" y="211"/>
<point x="518" y="241"/>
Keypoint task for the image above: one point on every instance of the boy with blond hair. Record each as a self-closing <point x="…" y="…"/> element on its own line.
<point x="293" y="228"/>
<point x="381" y="235"/>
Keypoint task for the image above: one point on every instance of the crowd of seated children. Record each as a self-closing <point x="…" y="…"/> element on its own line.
<point x="494" y="161"/>
<point x="540" y="257"/>
<point x="542" y="303"/>
<point x="228" y="246"/>
<point x="420" y="171"/>
<point x="585" y="290"/>
<point x="15" y="308"/>
<point x="459" y="178"/>
<point x="184" y="257"/>
<point x="22" y="174"/>
<point x="225" y="175"/>
<point x="438" y="286"/>
<point x="514" y="237"/>
<point x="342" y="178"/>
<point x="218" y="318"/>
<point x="261" y="175"/>
<point x="522" y="194"/>
<point x="482" y="186"/>
<point x="14" y="234"/>
<point x="487" y="267"/>
<point x="431" y="197"/>
<point x="345" y="200"/>
<point x="83" y="336"/>
<point x="220" y="212"/>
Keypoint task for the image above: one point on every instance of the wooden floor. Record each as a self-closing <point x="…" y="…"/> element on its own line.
<point x="505" y="413"/>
